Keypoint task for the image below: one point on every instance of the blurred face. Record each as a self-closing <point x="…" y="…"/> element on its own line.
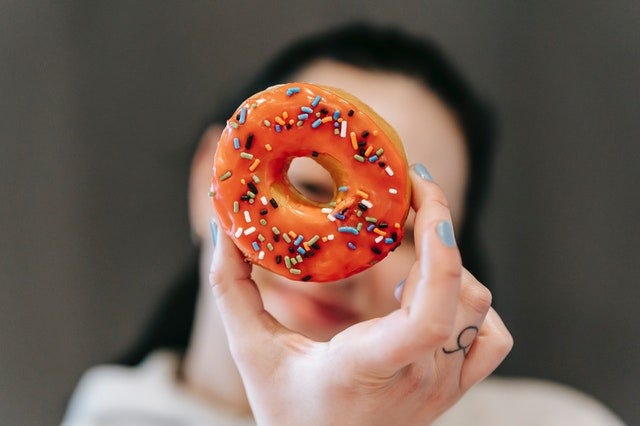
<point x="431" y="136"/>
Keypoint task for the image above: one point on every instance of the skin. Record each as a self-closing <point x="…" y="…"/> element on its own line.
<point x="288" y="340"/>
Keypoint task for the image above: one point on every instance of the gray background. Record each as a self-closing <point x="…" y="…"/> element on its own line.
<point x="98" y="103"/>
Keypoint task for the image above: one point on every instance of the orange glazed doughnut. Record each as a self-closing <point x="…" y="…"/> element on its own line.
<point x="277" y="227"/>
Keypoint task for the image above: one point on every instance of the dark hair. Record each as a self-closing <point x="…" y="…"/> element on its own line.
<point x="368" y="47"/>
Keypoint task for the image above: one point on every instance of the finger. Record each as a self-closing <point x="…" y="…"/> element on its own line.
<point x="430" y="298"/>
<point x="474" y="302"/>
<point x="493" y="344"/>
<point x="245" y="320"/>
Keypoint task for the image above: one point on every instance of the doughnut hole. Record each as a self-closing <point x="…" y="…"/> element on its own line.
<point x="311" y="180"/>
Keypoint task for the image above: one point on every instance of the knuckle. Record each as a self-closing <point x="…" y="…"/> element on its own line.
<point x="436" y="333"/>
<point x="476" y="296"/>
<point x="435" y="195"/>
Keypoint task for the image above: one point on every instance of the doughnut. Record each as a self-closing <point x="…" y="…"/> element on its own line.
<point x="273" y="223"/>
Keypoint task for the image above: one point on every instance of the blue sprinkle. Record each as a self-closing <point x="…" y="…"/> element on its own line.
<point x="236" y="143"/>
<point x="339" y="216"/>
<point x="348" y="229"/>
<point x="351" y="245"/>
<point x="316" y="123"/>
<point x="316" y="101"/>
<point x="336" y="124"/>
<point x="306" y="109"/>
<point x="343" y="188"/>
<point x="301" y="250"/>
<point x="388" y="240"/>
<point x="336" y="114"/>
<point x="292" y="90"/>
<point x="243" y="115"/>
<point x="255" y="245"/>
<point x="298" y="240"/>
<point x="373" y="159"/>
<point x="371" y="227"/>
<point x="303" y="116"/>
<point x="278" y="128"/>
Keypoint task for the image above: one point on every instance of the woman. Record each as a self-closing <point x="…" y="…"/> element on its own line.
<point x="347" y="352"/>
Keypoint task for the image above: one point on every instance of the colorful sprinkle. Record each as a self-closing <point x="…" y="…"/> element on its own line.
<point x="246" y="156"/>
<point x="393" y="191"/>
<point x="306" y="109"/>
<point x="371" y="219"/>
<point x="388" y="240"/>
<point x="316" y="123"/>
<point x="367" y="203"/>
<point x="326" y="210"/>
<point x="388" y="170"/>
<point x="336" y="114"/>
<point x="293" y="90"/>
<point x="348" y="229"/>
<point x="286" y="238"/>
<point x="270" y="246"/>
<point x="376" y="250"/>
<point x="236" y="143"/>
<point x="275" y="230"/>
<point x="330" y="237"/>
<point x="373" y="158"/>
<point x="343" y="188"/>
<point x="343" y="129"/>
<point x="226" y="175"/>
<point x="287" y="262"/>
<point x="249" y="142"/>
<point x="351" y="245"/>
<point x="298" y="240"/>
<point x="316" y="101"/>
<point x="313" y="240"/>
<point x="254" y="165"/>
<point x="255" y="246"/>
<point x="274" y="203"/>
<point x="359" y="157"/>
<point x="263" y="200"/>
<point x="263" y="222"/>
<point x="303" y="116"/>
<point x="243" y="116"/>
<point x="379" y="238"/>
<point x="301" y="250"/>
<point x="268" y="147"/>
<point x="261" y="255"/>
<point x="295" y="271"/>
<point x="354" y="141"/>
<point x="267" y="123"/>
<point x="238" y="233"/>
<point x="236" y="207"/>
<point x="247" y="216"/>
<point x="250" y="230"/>
<point x="339" y="216"/>
<point x="362" y="193"/>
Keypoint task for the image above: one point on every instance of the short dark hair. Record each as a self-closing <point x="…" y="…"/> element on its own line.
<point x="368" y="47"/>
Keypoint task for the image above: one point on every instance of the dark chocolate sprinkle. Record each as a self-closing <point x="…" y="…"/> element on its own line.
<point x="315" y="246"/>
<point x="361" y="143"/>
<point x="278" y="259"/>
<point x="324" y="111"/>
<point x="276" y="237"/>
<point x="362" y="151"/>
<point x="291" y="249"/>
<point x="383" y="225"/>
<point x="350" y="113"/>
<point x="252" y="187"/>
<point x="306" y="278"/>
<point x="238" y="117"/>
<point x="365" y="134"/>
<point x="288" y="126"/>
<point x="249" y="142"/>
<point x="314" y="153"/>
<point x="376" y="250"/>
<point x="273" y="203"/>
<point x="362" y="207"/>
<point x="382" y="164"/>
<point x="263" y="212"/>
<point x="394" y="236"/>
<point x="244" y="197"/>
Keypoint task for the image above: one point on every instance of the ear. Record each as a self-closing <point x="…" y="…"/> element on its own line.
<point x="200" y="206"/>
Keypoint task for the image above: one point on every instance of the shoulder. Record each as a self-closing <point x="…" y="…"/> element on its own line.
<point x="524" y="401"/>
<point x="148" y="394"/>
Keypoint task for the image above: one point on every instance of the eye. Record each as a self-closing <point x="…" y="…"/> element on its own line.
<point x="311" y="180"/>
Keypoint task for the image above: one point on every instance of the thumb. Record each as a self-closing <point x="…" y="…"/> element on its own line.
<point x="247" y="324"/>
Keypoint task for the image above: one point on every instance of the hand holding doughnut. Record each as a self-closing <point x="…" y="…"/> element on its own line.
<point x="390" y="370"/>
<point x="277" y="227"/>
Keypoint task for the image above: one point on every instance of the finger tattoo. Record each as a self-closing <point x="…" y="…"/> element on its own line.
<point x="464" y="341"/>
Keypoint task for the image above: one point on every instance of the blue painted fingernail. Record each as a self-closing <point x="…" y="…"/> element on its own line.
<point x="214" y="232"/>
<point x="445" y="232"/>
<point x="398" y="290"/>
<point x="422" y="171"/>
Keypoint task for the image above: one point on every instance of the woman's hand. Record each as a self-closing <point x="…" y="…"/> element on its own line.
<point x="405" y="368"/>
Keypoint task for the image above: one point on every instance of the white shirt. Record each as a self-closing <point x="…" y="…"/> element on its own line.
<point x="150" y="395"/>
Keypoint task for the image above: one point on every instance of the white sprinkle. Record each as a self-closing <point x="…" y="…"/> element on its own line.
<point x="366" y="203"/>
<point x="378" y="238"/>
<point x="249" y="231"/>
<point x="261" y="255"/>
<point x="330" y="237"/>
<point x="393" y="191"/>
<point x="326" y="210"/>
<point x="331" y="217"/>
<point x="343" y="129"/>
<point x="247" y="218"/>
<point x="263" y="200"/>
<point x="238" y="232"/>
<point x="388" y="170"/>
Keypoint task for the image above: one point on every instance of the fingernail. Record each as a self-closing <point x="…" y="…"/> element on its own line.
<point x="445" y="232"/>
<point x="214" y="232"/>
<point x="398" y="290"/>
<point x="422" y="171"/>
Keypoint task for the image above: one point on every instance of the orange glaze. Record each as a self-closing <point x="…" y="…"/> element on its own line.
<point x="274" y="225"/>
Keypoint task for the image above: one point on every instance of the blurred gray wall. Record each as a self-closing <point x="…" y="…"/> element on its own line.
<point x="98" y="103"/>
